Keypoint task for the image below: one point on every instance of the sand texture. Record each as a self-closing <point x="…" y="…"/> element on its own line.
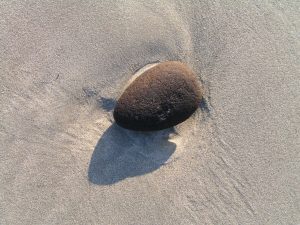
<point x="63" y="160"/>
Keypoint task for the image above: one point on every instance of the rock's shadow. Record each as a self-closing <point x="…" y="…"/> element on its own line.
<point x="122" y="153"/>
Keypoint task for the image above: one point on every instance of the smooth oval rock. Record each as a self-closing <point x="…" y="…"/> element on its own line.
<point x="161" y="97"/>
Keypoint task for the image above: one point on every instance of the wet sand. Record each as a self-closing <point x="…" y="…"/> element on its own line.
<point x="63" y="160"/>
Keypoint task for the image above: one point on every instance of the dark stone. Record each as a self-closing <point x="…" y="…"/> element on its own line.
<point x="163" y="96"/>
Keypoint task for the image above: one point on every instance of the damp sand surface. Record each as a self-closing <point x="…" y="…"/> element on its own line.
<point x="64" y="161"/>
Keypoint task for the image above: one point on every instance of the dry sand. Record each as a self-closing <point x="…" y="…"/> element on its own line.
<point x="64" y="161"/>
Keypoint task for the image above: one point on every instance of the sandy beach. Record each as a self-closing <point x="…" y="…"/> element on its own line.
<point x="63" y="160"/>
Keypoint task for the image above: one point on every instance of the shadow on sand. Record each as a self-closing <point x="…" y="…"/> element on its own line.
<point x="122" y="153"/>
